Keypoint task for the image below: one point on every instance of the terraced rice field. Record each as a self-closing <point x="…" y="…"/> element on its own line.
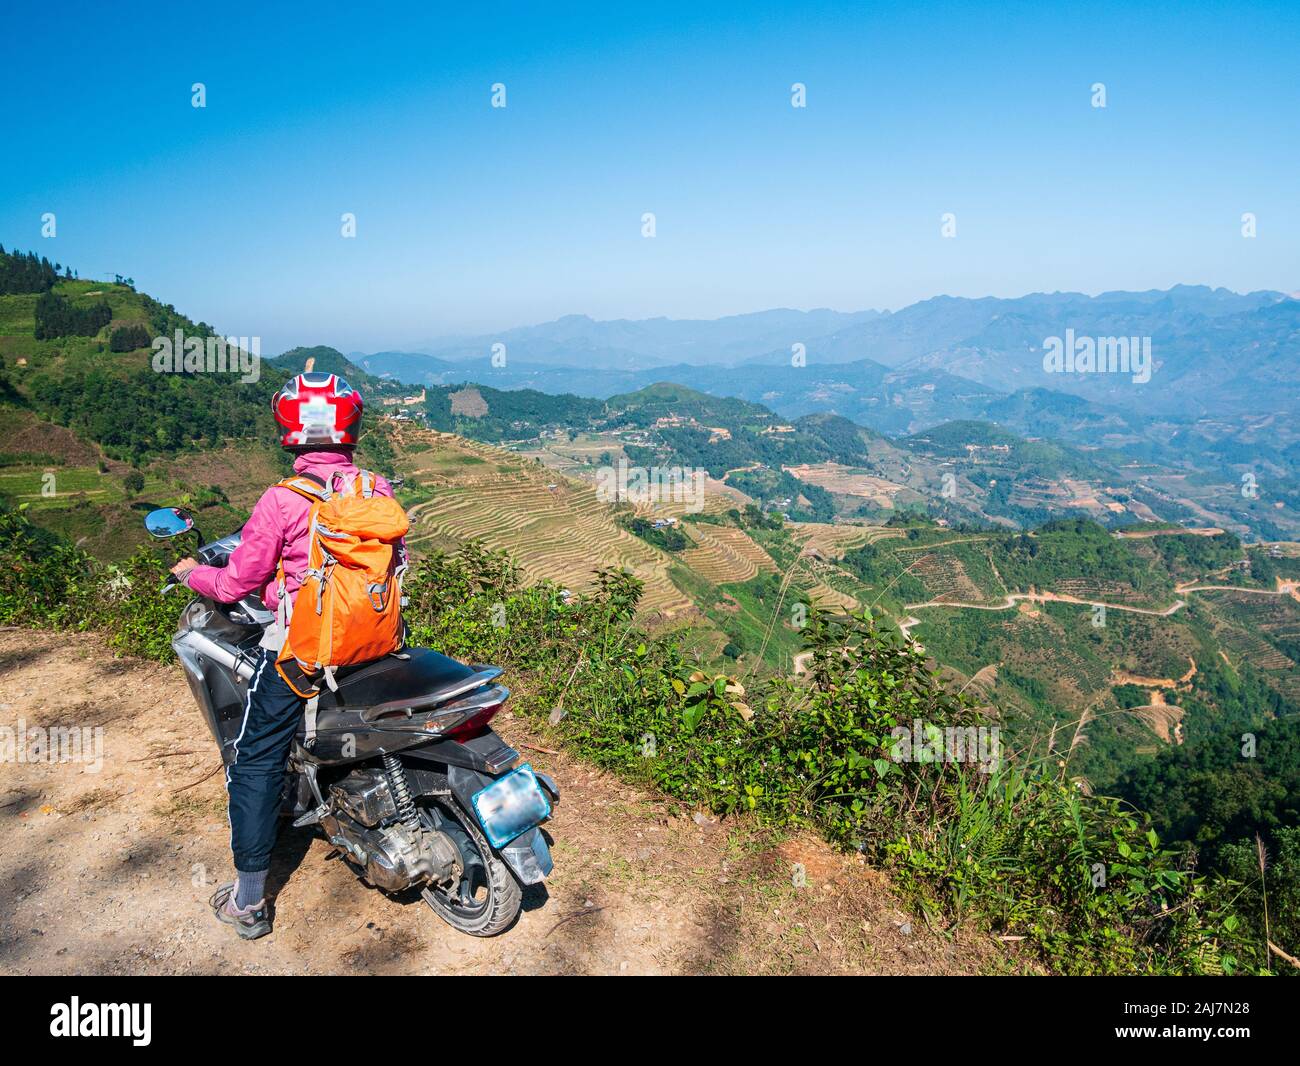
<point x="725" y="555"/>
<point x="581" y="459"/>
<point x="847" y="481"/>
<point x="833" y="541"/>
<point x="1045" y="651"/>
<point x="836" y="585"/>
<point x="824" y="595"/>
<point x="718" y="497"/>
<point x="1253" y="648"/>
<point x="1258" y="621"/>
<point x="54" y="487"/>
<point x="561" y="533"/>
<point x="1100" y="591"/>
<point x="945" y="578"/>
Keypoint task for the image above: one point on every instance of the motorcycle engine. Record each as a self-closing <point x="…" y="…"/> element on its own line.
<point x="364" y="796"/>
<point x="364" y="822"/>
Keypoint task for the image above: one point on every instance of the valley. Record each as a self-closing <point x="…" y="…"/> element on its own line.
<point x="1107" y="609"/>
<point x="1052" y="626"/>
<point x="1209" y="440"/>
<point x="992" y="550"/>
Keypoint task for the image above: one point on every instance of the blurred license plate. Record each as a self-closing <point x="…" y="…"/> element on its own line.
<point x="511" y="805"/>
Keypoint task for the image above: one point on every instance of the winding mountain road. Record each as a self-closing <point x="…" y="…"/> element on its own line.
<point x="1284" y="588"/>
<point x="1012" y="598"/>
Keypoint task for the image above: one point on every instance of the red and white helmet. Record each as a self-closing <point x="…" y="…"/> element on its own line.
<point x="317" y="409"/>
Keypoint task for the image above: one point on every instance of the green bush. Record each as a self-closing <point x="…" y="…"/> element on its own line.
<point x="1018" y="850"/>
<point x="46" y="582"/>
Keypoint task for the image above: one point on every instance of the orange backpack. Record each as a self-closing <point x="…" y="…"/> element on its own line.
<point x="349" y="606"/>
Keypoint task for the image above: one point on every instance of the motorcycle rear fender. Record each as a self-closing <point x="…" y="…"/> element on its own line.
<point x="487" y="753"/>
<point x="528" y="855"/>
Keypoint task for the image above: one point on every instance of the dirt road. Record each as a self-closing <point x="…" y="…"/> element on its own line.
<point x="108" y="869"/>
<point x="1284" y="588"/>
<point x="1013" y="598"/>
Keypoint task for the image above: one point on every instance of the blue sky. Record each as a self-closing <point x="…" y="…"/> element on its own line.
<point x="472" y="218"/>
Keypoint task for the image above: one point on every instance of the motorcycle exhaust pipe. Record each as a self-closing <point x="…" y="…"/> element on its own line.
<point x="218" y="653"/>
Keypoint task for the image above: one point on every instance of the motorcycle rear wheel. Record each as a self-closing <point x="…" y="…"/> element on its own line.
<point x="487" y="898"/>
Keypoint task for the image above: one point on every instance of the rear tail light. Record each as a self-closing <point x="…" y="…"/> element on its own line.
<point x="475" y="724"/>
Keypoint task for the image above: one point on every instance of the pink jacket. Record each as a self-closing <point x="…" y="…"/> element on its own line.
<point x="277" y="530"/>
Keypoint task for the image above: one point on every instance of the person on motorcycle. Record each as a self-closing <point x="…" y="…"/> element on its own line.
<point x="321" y="417"/>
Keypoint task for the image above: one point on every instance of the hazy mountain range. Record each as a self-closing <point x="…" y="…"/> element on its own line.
<point x="625" y="344"/>
<point x="1215" y="355"/>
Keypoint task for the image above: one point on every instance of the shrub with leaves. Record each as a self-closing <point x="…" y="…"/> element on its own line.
<point x="44" y="581"/>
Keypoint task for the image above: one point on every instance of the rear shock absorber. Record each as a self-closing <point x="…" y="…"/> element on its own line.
<point x="396" y="775"/>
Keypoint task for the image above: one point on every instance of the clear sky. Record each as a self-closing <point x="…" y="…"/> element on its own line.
<point x="471" y="218"/>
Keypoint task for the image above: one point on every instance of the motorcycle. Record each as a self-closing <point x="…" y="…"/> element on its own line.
<point x="398" y="768"/>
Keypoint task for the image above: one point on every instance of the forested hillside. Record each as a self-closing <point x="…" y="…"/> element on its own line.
<point x="92" y="431"/>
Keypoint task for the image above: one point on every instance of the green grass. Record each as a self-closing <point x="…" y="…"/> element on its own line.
<point x="73" y="483"/>
<point x="18" y="313"/>
<point x="761" y="611"/>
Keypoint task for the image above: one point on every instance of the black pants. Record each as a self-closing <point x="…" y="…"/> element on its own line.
<point x="255" y="778"/>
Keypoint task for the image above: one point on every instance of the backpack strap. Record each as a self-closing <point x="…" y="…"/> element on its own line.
<point x="314" y="491"/>
<point x="282" y="608"/>
<point x="309" y="720"/>
<point x="307" y="485"/>
<point x="361" y="485"/>
<point x="315" y="488"/>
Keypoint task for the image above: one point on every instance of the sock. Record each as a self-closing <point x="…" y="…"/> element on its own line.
<point x="249" y="888"/>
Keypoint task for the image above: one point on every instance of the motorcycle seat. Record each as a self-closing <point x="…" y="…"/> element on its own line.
<point x="394" y="678"/>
